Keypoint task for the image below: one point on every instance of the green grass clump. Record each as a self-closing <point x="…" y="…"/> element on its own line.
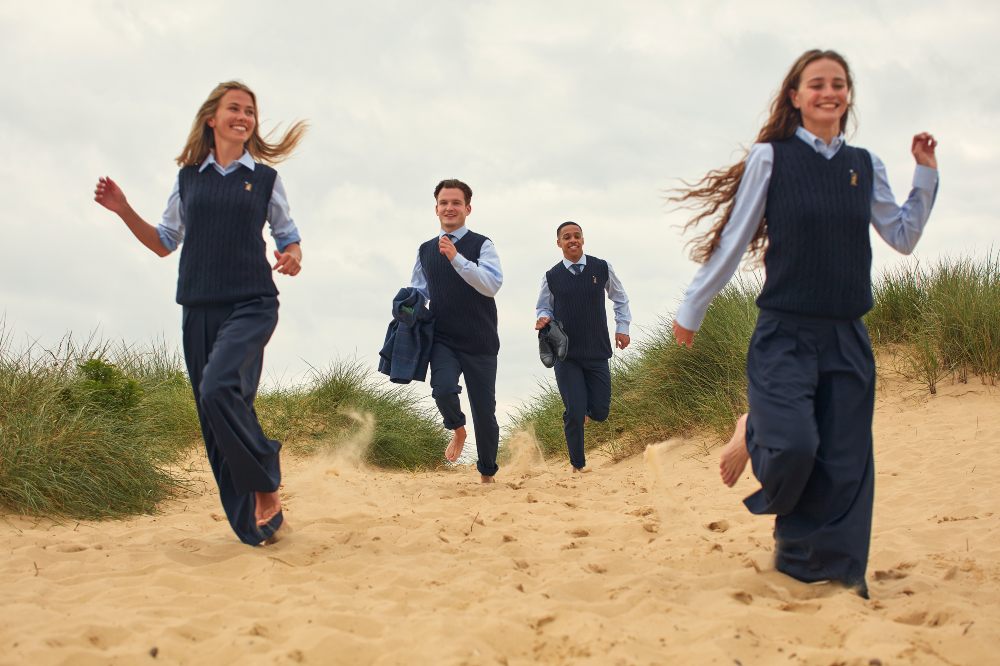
<point x="94" y="431"/>
<point x="944" y="320"/>
<point x="75" y="437"/>
<point x="343" y="404"/>
<point x="937" y="322"/>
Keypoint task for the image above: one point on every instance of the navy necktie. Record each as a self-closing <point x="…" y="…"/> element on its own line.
<point x="576" y="268"/>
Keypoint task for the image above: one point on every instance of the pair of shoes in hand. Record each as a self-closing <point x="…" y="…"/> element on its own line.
<point x="552" y="343"/>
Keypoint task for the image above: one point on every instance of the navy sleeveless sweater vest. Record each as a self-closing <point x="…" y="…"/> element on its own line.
<point x="578" y="301"/>
<point x="223" y="254"/>
<point x="464" y="319"/>
<point x="819" y="256"/>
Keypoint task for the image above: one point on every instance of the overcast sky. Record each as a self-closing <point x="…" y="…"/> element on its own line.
<point x="551" y="111"/>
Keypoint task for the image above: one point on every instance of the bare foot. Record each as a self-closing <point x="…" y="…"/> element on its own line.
<point x="268" y="506"/>
<point x="586" y="420"/>
<point x="486" y="479"/>
<point x="581" y="470"/>
<point x="456" y="445"/>
<point x="735" y="456"/>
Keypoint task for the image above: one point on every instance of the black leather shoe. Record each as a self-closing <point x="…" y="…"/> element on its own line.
<point x="552" y="343"/>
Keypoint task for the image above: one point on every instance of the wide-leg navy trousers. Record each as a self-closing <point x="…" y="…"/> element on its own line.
<point x="585" y="388"/>
<point x="224" y="353"/>
<point x="480" y="371"/>
<point x="811" y="389"/>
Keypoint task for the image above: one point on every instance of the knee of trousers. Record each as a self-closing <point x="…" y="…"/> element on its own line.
<point x="785" y="476"/>
<point x="445" y="392"/>
<point x="212" y="393"/>
<point x="599" y="413"/>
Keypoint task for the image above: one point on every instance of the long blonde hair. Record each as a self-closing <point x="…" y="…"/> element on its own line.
<point x="201" y="139"/>
<point x="717" y="189"/>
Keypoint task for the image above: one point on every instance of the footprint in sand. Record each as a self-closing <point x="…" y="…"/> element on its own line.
<point x="925" y="619"/>
<point x="71" y="548"/>
<point x="579" y="533"/>
<point x="801" y="607"/>
<point x="718" y="526"/>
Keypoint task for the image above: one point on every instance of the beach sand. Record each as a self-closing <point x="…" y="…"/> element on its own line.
<point x="649" y="561"/>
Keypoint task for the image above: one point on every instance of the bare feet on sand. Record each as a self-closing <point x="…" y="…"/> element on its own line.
<point x="734" y="457"/>
<point x="268" y="506"/>
<point x="456" y="445"/>
<point x="486" y="479"/>
<point x="581" y="470"/>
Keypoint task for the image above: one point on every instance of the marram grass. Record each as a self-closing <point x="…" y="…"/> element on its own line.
<point x="95" y="431"/>
<point x="937" y="321"/>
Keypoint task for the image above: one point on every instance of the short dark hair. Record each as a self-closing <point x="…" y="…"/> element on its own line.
<point x="559" y="228"/>
<point x="454" y="184"/>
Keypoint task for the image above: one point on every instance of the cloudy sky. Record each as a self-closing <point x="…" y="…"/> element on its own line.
<point x="551" y="111"/>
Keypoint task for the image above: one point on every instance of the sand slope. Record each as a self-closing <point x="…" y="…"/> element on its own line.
<point x="648" y="561"/>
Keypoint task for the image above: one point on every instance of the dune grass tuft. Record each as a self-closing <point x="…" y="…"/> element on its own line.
<point x="332" y="409"/>
<point x="95" y="431"/>
<point x="88" y="431"/>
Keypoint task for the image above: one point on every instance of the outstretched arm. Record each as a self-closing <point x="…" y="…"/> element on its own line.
<point x="108" y="194"/>
<point x="713" y="275"/>
<point x="902" y="226"/>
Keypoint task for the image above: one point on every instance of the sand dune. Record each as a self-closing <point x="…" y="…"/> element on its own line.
<point x="649" y="561"/>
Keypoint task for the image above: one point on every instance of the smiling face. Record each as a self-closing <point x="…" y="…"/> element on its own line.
<point x="451" y="208"/>
<point x="822" y="97"/>
<point x="234" y="119"/>
<point x="570" y="241"/>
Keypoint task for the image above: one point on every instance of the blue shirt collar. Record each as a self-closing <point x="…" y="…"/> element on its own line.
<point x="567" y="263"/>
<point x="818" y="144"/>
<point x="244" y="159"/>
<point x="457" y="233"/>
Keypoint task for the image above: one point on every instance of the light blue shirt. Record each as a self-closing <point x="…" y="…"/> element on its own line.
<point x="900" y="227"/>
<point x="616" y="293"/>
<point x="485" y="277"/>
<point x="283" y="229"/>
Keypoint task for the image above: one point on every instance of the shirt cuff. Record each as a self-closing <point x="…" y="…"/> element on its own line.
<point x="924" y="177"/>
<point x="621" y="328"/>
<point x="460" y="262"/>
<point x="284" y="240"/>
<point x="689" y="317"/>
<point x="166" y="238"/>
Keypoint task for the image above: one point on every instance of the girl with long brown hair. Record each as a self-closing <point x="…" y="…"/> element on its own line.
<point x="223" y="195"/>
<point x="802" y="202"/>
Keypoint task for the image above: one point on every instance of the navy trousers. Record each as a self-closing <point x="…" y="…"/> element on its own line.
<point x="811" y="389"/>
<point x="480" y="371"/>
<point x="224" y="352"/>
<point x="585" y="387"/>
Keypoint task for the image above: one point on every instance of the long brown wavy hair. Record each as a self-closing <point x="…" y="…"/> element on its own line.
<point x="201" y="139"/>
<point x="717" y="189"/>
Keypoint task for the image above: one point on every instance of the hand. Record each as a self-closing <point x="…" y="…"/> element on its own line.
<point x="542" y="323"/>
<point x="923" y="149"/>
<point x="290" y="261"/>
<point x="108" y="194"/>
<point x="446" y="247"/>
<point x="621" y="340"/>
<point x="683" y="336"/>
